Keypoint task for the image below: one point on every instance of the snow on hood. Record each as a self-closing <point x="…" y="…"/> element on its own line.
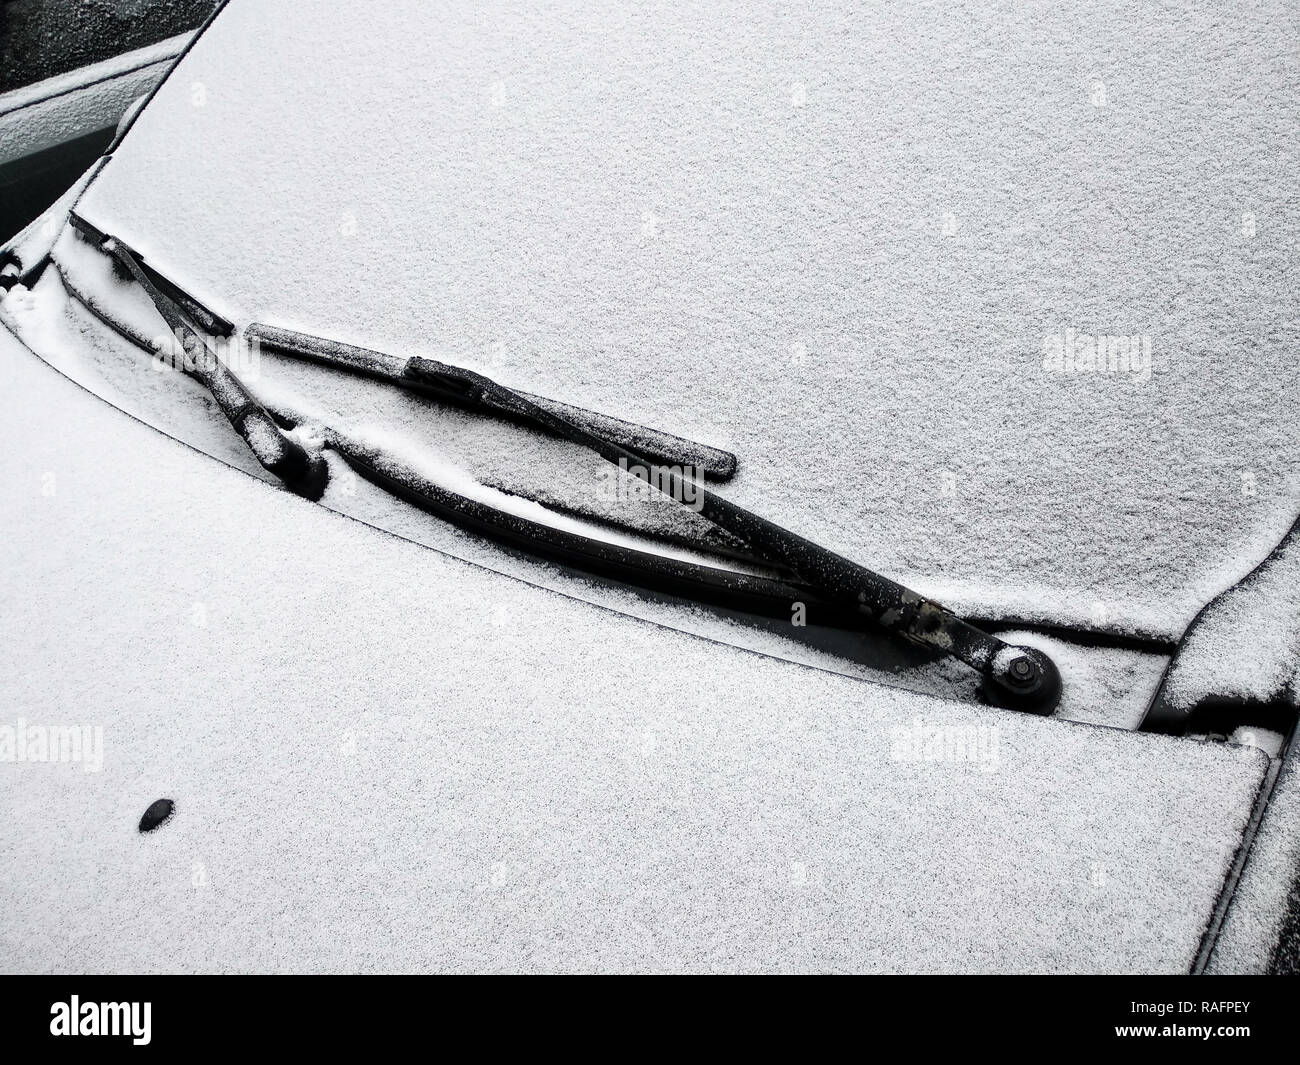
<point x="385" y="759"/>
<point x="874" y="252"/>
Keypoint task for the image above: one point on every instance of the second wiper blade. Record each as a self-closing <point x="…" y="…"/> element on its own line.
<point x="301" y="470"/>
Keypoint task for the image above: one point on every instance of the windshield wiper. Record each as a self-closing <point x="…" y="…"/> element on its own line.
<point x="1016" y="677"/>
<point x="301" y="470"/>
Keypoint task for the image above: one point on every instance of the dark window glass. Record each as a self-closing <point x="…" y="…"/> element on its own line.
<point x="42" y="38"/>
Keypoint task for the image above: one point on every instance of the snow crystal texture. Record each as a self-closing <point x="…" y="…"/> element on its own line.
<point x="845" y="241"/>
<point x="384" y="759"/>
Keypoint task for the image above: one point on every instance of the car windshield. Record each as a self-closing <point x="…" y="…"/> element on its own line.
<point x="995" y="392"/>
<point x="921" y="377"/>
<point x="1020" y="678"/>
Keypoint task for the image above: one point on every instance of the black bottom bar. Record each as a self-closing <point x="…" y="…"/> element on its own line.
<point x="1229" y="1015"/>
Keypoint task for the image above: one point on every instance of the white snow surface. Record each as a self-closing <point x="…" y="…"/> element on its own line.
<point x="1254" y="919"/>
<point x="385" y="759"/>
<point x="1247" y="642"/>
<point x="835" y="238"/>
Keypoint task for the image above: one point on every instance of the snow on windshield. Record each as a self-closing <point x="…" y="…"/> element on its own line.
<point x="995" y="302"/>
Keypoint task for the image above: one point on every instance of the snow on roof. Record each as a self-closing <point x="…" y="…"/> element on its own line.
<point x="996" y="301"/>
<point x="382" y="758"/>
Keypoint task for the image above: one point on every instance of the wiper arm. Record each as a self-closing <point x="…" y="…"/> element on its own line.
<point x="1016" y="677"/>
<point x="203" y="317"/>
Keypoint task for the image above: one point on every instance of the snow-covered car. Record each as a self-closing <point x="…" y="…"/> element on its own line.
<point x="482" y="481"/>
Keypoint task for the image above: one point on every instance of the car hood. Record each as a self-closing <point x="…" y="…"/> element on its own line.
<point x="382" y="758"/>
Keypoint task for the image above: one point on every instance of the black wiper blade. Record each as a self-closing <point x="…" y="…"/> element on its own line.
<point x="203" y="317"/>
<point x="1016" y="677"/>
<point x="449" y="384"/>
<point x="281" y="455"/>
